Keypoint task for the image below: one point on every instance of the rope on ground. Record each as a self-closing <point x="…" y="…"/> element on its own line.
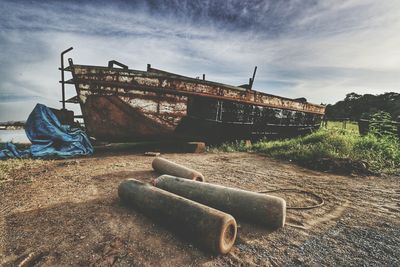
<point x="320" y="203"/>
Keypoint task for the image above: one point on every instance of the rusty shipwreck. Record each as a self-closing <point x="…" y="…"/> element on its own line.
<point x="119" y="104"/>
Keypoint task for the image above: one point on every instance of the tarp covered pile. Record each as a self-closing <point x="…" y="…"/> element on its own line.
<point x="49" y="138"/>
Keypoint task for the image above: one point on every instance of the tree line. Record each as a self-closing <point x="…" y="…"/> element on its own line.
<point x="356" y="107"/>
<point x="13" y="123"/>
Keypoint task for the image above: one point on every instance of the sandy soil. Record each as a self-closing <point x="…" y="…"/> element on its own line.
<point x="68" y="213"/>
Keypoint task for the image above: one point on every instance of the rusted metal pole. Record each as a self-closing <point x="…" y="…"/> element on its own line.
<point x="164" y="166"/>
<point x="254" y="76"/>
<point x="62" y="75"/>
<point x="254" y="207"/>
<point x="212" y="229"/>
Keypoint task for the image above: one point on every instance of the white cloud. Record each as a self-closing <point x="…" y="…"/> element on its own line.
<point x="321" y="51"/>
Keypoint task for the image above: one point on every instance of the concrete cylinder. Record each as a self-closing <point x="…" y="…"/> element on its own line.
<point x="254" y="207"/>
<point x="164" y="166"/>
<point x="212" y="229"/>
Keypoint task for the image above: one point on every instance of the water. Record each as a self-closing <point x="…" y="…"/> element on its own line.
<point x="15" y="136"/>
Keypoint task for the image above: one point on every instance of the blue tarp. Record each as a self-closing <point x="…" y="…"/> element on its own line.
<point x="49" y="138"/>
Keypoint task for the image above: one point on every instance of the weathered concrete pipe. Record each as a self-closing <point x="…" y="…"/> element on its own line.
<point x="254" y="207"/>
<point x="212" y="229"/>
<point x="164" y="166"/>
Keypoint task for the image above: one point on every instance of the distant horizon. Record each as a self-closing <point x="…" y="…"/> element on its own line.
<point x="320" y="50"/>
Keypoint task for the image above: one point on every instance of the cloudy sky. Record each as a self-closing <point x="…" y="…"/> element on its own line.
<point x="320" y="50"/>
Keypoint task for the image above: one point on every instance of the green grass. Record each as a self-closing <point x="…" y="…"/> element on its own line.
<point x="381" y="153"/>
<point x="349" y="126"/>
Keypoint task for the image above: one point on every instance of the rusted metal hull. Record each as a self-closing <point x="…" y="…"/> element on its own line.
<point x="130" y="105"/>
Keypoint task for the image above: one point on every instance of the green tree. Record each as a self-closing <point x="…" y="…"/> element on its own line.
<point x="356" y="106"/>
<point x="381" y="124"/>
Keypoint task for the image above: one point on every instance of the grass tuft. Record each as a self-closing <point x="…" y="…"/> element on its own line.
<point x="381" y="153"/>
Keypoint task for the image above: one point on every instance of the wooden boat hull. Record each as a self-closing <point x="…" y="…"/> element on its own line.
<point x="127" y="105"/>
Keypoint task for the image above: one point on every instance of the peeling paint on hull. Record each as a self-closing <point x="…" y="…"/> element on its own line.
<point x="130" y="105"/>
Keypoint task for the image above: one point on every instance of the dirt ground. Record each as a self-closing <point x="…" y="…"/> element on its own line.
<point x="67" y="212"/>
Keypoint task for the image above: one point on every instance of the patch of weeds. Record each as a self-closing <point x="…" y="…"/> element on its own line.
<point x="9" y="168"/>
<point x="236" y="146"/>
<point x="379" y="153"/>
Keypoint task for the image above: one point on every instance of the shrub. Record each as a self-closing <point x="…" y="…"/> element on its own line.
<point x="380" y="152"/>
<point x="381" y="124"/>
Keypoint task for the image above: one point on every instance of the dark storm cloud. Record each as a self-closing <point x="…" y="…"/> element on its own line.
<point x="317" y="49"/>
<point x="266" y="18"/>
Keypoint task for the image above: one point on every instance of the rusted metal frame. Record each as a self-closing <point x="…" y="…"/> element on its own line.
<point x="222" y="122"/>
<point x="170" y="75"/>
<point x="177" y="82"/>
<point x="145" y="74"/>
<point x="172" y="91"/>
<point x="62" y="76"/>
<point x="105" y="92"/>
<point x="285" y="107"/>
<point x="77" y="89"/>
<point x="111" y="64"/>
<point x="258" y="96"/>
<point x="252" y="79"/>
<point x="184" y="93"/>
